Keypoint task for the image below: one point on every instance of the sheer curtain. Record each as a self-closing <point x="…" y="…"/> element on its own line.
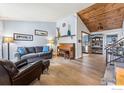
<point x="0" y="46"/>
<point x="1" y="30"/>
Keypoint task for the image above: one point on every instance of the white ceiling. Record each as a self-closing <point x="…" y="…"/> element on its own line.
<point x="39" y="11"/>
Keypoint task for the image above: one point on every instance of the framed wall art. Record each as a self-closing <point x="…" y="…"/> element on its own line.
<point x="22" y="37"/>
<point x="41" y="33"/>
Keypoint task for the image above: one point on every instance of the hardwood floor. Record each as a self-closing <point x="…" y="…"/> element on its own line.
<point x="86" y="71"/>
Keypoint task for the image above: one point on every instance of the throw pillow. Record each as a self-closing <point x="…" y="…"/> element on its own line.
<point x="31" y="49"/>
<point x="22" y="51"/>
<point x="38" y="49"/>
<point x="45" y="49"/>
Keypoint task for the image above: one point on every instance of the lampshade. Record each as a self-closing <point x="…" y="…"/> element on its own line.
<point x="51" y="41"/>
<point x="8" y="39"/>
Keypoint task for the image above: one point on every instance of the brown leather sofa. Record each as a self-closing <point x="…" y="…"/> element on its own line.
<point x="20" y="73"/>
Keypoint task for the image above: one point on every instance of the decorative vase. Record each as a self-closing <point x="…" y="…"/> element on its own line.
<point x="69" y="31"/>
<point x="59" y="35"/>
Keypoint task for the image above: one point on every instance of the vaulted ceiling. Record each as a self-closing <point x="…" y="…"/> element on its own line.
<point x="99" y="17"/>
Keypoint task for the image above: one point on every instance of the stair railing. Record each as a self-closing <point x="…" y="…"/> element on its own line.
<point x="114" y="44"/>
<point x="110" y="51"/>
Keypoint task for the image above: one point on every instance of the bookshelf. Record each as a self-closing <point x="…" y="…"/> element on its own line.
<point x="97" y="43"/>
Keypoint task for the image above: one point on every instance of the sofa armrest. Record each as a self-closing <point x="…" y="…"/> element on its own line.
<point x="21" y="63"/>
<point x="51" y="51"/>
<point x="18" y="56"/>
<point x="28" y="73"/>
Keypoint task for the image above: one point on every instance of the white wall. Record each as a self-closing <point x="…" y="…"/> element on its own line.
<point x="80" y="27"/>
<point x="24" y="27"/>
<point x="123" y="26"/>
<point x="76" y="27"/>
<point x="63" y="30"/>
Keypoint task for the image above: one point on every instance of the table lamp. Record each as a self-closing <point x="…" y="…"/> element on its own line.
<point x="51" y="42"/>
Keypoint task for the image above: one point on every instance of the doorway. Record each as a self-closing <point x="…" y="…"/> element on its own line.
<point x="85" y="42"/>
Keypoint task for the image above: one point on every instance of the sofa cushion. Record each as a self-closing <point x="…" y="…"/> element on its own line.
<point x="43" y="54"/>
<point x="28" y="56"/>
<point x="22" y="51"/>
<point x="46" y="52"/>
<point x="38" y="49"/>
<point x="31" y="49"/>
<point x="45" y="48"/>
<point x="9" y="66"/>
<point x="40" y="54"/>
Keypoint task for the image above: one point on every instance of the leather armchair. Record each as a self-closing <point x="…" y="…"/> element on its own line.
<point x="20" y="73"/>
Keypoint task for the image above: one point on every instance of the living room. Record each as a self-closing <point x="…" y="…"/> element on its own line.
<point x="47" y="39"/>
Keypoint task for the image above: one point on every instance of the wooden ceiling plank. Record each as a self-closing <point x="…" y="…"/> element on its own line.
<point x="109" y="15"/>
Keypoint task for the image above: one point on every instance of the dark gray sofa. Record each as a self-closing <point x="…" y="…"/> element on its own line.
<point x="33" y="53"/>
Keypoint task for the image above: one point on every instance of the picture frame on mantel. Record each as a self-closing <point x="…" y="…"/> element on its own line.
<point x="22" y="37"/>
<point x="41" y="32"/>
